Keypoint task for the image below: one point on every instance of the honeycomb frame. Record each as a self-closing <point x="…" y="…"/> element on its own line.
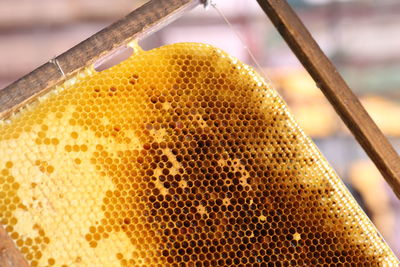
<point x="178" y="156"/>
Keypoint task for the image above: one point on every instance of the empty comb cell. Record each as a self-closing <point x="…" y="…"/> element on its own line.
<point x="178" y="156"/>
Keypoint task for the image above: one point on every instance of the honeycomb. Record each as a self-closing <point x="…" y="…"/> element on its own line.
<point x="178" y="156"/>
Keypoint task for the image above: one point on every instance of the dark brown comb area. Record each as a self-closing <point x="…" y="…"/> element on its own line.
<point x="179" y="156"/>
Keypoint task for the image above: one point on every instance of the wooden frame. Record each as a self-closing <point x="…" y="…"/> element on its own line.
<point x="335" y="89"/>
<point x="9" y="254"/>
<point x="156" y="14"/>
<point x="142" y="21"/>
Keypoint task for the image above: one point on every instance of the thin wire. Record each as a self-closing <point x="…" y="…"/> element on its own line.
<point x="55" y="62"/>
<point x="253" y="58"/>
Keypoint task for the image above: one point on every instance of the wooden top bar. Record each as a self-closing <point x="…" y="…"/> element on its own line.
<point x="142" y="21"/>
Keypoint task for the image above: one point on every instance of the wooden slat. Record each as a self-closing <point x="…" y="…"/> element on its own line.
<point x="143" y="20"/>
<point x="335" y="89"/>
<point x="9" y="255"/>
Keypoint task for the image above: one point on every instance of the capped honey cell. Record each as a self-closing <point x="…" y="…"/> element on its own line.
<point x="178" y="156"/>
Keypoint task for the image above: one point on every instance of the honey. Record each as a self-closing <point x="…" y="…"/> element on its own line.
<point x="178" y="156"/>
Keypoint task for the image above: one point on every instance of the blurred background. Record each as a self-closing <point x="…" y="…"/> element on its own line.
<point x="361" y="37"/>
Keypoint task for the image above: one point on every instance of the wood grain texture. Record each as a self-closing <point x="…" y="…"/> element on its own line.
<point x="335" y="89"/>
<point x="144" y="20"/>
<point x="9" y="254"/>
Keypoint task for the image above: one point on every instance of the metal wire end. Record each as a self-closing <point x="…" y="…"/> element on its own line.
<point x="206" y="3"/>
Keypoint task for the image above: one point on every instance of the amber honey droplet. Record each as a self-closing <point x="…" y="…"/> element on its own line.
<point x="178" y="156"/>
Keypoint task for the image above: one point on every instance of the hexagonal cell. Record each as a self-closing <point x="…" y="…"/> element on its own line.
<point x="177" y="156"/>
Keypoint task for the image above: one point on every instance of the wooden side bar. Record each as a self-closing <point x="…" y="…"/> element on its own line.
<point x="335" y="90"/>
<point x="9" y="254"/>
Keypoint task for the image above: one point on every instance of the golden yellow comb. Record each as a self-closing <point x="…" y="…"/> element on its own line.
<point x="178" y="156"/>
